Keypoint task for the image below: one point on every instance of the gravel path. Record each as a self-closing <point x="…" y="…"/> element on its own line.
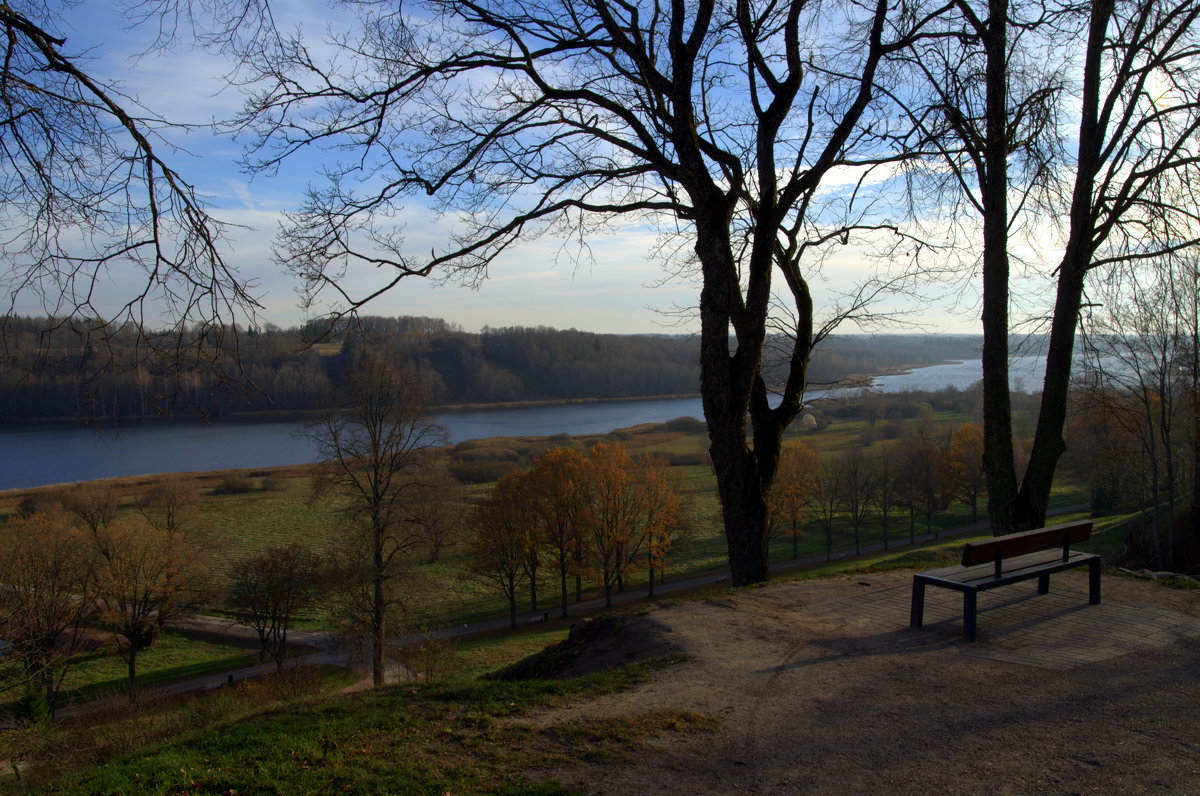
<point x="820" y="686"/>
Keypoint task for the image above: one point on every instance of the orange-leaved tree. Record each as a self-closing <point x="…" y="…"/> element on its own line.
<point x="45" y="582"/>
<point x="559" y="476"/>
<point x="966" y="459"/>
<point x="622" y="506"/>
<point x="145" y="576"/>
<point x="792" y="491"/>
<point x="504" y="535"/>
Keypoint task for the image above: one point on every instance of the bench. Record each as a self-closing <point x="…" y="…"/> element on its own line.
<point x="1009" y="559"/>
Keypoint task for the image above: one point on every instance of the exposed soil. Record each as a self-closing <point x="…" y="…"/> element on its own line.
<point x="815" y="695"/>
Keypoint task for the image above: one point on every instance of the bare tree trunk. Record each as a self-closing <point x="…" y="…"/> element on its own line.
<point x="378" y="675"/>
<point x="131" y="665"/>
<point x="997" y="405"/>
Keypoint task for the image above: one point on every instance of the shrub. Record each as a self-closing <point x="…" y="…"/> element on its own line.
<point x="274" y="483"/>
<point x="687" y="425"/>
<point x="480" y="472"/>
<point x="688" y="459"/>
<point x="235" y="485"/>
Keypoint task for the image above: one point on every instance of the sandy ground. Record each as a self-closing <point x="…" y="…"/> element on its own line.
<point x="821" y="686"/>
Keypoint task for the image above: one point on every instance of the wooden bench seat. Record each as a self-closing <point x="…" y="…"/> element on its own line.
<point x="1003" y="560"/>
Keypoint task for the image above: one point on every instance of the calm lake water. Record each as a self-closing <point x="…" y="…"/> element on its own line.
<point x="65" y="454"/>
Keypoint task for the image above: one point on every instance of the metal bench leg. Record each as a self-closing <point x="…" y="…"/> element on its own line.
<point x="1043" y="584"/>
<point x="917" y="612"/>
<point x="969" y="608"/>
<point x="1094" y="581"/>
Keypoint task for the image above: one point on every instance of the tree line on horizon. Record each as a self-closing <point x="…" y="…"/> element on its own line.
<point x="68" y="374"/>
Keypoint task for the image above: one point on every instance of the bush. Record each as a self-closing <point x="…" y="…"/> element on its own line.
<point x="236" y="485"/>
<point x="274" y="483"/>
<point x="688" y="459"/>
<point x="495" y="454"/>
<point x="687" y="425"/>
<point x="480" y="472"/>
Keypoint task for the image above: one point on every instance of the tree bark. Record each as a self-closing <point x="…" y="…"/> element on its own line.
<point x="131" y="662"/>
<point x="1048" y="443"/>
<point x="378" y="677"/>
<point x="997" y="405"/>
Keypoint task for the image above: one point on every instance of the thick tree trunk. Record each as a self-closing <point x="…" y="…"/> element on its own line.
<point x="725" y="383"/>
<point x="1048" y="442"/>
<point x="997" y="405"/>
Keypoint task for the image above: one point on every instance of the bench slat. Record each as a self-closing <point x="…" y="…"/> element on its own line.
<point x="1018" y="544"/>
<point x="1013" y="568"/>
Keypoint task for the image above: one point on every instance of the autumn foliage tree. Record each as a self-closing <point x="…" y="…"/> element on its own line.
<point x="145" y="576"/>
<point x="45" y="591"/>
<point x="504" y="536"/>
<point x="792" y="492"/>
<point x="966" y="460"/>
<point x="625" y="501"/>
<point x="560" y="475"/>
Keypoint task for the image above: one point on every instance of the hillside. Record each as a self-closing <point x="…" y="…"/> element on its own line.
<point x="808" y="686"/>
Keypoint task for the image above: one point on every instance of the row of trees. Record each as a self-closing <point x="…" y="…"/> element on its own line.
<point x="918" y="474"/>
<point x="599" y="514"/>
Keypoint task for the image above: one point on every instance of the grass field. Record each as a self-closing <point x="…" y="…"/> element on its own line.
<point x="102" y="672"/>
<point x="242" y="524"/>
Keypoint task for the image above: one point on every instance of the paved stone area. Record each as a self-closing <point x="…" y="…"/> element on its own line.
<point x="1059" y="630"/>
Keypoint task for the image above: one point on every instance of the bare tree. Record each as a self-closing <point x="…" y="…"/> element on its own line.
<point x="440" y="497"/>
<point x="88" y="196"/>
<point x="856" y="488"/>
<point x="826" y="493"/>
<point x="886" y="495"/>
<point x="171" y="504"/>
<point x="93" y="504"/>
<point x="268" y="590"/>
<point x="376" y="451"/>
<point x="1125" y="184"/>
<point x="1136" y="367"/>
<point x="719" y="123"/>
<point x="502" y="523"/>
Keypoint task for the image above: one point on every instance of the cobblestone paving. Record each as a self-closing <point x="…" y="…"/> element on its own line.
<point x="1059" y="630"/>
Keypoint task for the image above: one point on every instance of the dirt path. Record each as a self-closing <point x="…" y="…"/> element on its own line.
<point x="822" y="687"/>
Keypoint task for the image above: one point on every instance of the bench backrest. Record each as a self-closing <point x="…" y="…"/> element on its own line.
<point x="999" y="548"/>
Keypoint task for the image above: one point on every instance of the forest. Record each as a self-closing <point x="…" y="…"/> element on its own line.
<point x="70" y="372"/>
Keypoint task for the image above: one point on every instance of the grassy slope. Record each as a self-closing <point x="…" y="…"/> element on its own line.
<point x="460" y="735"/>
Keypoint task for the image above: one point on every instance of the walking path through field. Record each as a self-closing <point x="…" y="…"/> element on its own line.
<point x="329" y="649"/>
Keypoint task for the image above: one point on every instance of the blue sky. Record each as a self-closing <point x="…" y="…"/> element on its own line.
<point x="621" y="290"/>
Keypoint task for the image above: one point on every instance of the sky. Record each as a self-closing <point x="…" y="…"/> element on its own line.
<point x="620" y="290"/>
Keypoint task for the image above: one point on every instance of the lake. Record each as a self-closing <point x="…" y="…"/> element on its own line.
<point x="40" y="455"/>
